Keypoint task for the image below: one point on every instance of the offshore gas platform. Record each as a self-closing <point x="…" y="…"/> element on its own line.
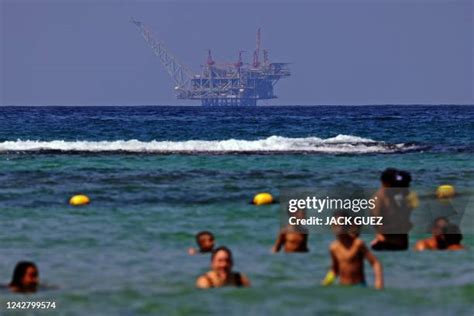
<point x="221" y="84"/>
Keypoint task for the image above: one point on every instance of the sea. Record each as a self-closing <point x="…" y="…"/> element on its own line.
<point x="156" y="175"/>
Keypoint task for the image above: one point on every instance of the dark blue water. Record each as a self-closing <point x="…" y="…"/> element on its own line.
<point x="443" y="127"/>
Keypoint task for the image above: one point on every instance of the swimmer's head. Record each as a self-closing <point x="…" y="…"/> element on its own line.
<point x="389" y="177"/>
<point x="25" y="277"/>
<point x="299" y="213"/>
<point x="354" y="230"/>
<point x="392" y="177"/>
<point x="439" y="226"/>
<point x="205" y="241"/>
<point x="452" y="235"/>
<point x="221" y="260"/>
<point x="341" y="229"/>
<point x="402" y="179"/>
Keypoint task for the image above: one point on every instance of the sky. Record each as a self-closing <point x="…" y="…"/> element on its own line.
<point x="87" y="52"/>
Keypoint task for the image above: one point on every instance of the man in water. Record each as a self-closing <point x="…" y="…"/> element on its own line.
<point x="348" y="253"/>
<point x="393" y="205"/>
<point x="437" y="240"/>
<point x="25" y="278"/>
<point x="205" y="242"/>
<point x="221" y="273"/>
<point x="293" y="238"/>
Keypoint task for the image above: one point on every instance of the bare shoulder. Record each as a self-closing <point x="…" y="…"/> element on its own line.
<point x="381" y="195"/>
<point x="359" y="242"/>
<point x="420" y="245"/>
<point x="334" y="246"/>
<point x="204" y="281"/>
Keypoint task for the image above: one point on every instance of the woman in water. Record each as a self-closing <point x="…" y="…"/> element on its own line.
<point x="25" y="278"/>
<point x="221" y="273"/>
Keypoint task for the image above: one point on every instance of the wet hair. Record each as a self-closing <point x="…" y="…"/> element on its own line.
<point x="396" y="178"/>
<point x="355" y="229"/>
<point x="452" y="235"/>
<point x="19" y="272"/>
<point x="403" y="179"/>
<point x="435" y="224"/>
<point x="345" y="229"/>
<point x="342" y="213"/>
<point x="299" y="210"/>
<point x="388" y="176"/>
<point x="441" y="218"/>
<point x="221" y="248"/>
<point x="203" y="233"/>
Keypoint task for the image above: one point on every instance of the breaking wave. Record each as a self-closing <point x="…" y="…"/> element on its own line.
<point x="341" y="144"/>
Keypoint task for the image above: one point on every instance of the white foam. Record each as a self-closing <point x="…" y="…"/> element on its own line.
<point x="339" y="144"/>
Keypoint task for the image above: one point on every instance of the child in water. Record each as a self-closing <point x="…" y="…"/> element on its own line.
<point x="25" y="278"/>
<point x="348" y="252"/>
<point x="292" y="238"/>
<point x="205" y="242"/>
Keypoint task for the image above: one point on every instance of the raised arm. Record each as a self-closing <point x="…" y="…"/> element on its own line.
<point x="279" y="242"/>
<point x="377" y="266"/>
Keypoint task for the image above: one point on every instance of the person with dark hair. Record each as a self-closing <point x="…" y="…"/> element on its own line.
<point x="221" y="273"/>
<point x="205" y="242"/>
<point x="453" y="237"/>
<point x="388" y="177"/>
<point x="392" y="204"/>
<point x="25" y="278"/>
<point x="437" y="240"/>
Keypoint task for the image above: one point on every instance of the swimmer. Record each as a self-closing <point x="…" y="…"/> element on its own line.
<point x="292" y="238"/>
<point x="348" y="253"/>
<point x="205" y="242"/>
<point x="221" y="273"/>
<point x="437" y="240"/>
<point x="25" y="278"/>
<point x="393" y="205"/>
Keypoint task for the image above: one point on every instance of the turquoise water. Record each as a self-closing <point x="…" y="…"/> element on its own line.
<point x="126" y="252"/>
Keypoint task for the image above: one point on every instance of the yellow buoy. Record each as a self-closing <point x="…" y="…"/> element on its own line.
<point x="262" y="199"/>
<point x="445" y="191"/>
<point x="79" y="199"/>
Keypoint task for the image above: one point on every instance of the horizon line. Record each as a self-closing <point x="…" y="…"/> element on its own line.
<point x="269" y="105"/>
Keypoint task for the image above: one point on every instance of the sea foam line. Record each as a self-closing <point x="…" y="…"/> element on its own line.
<point x="339" y="144"/>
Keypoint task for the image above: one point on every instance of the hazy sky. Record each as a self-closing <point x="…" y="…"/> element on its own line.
<point x="342" y="52"/>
